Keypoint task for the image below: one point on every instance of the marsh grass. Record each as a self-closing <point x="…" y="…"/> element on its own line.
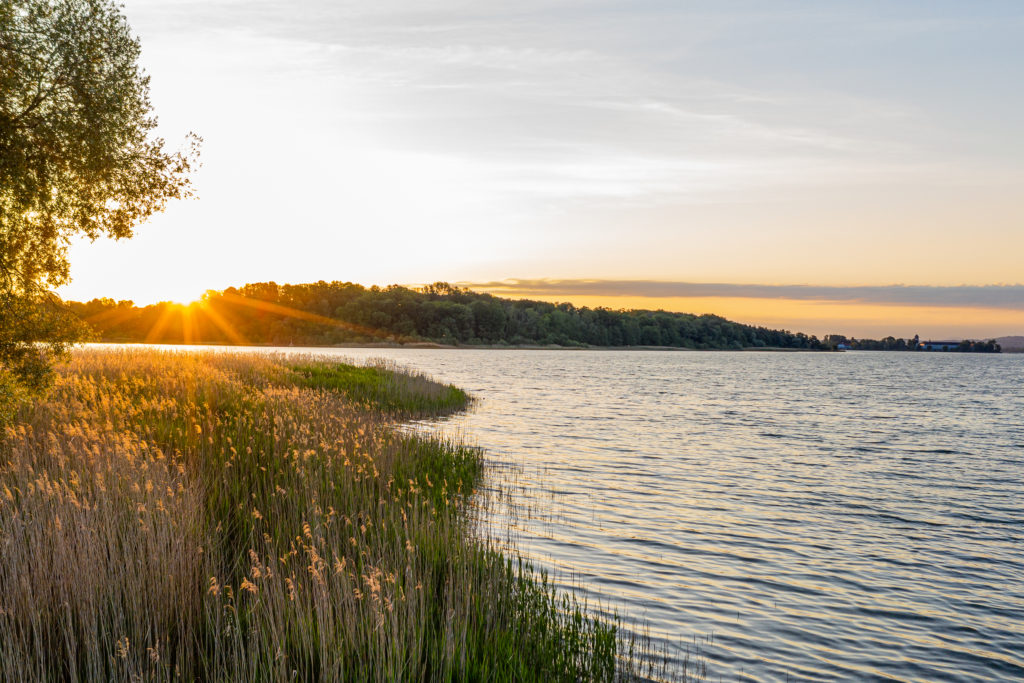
<point x="383" y="386"/>
<point x="171" y="516"/>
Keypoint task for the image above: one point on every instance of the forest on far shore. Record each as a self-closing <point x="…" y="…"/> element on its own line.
<point x="329" y="313"/>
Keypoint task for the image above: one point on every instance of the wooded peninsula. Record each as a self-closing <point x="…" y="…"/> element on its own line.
<point x="329" y="313"/>
<point x="334" y="313"/>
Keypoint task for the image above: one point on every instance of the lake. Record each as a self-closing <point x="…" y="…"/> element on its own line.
<point x="799" y="516"/>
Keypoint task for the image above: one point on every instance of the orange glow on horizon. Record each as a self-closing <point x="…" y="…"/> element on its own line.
<point x="289" y="312"/>
<point x="161" y="324"/>
<point x="817" y="317"/>
<point x="214" y="307"/>
<point x="822" y="317"/>
<point x="219" y="321"/>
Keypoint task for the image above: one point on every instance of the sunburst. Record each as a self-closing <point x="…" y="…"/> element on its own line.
<point x="197" y="321"/>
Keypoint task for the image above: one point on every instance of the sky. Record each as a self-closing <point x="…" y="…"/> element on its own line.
<point x="847" y="167"/>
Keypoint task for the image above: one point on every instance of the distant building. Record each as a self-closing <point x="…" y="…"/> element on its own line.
<point x="939" y="346"/>
<point x="843" y="346"/>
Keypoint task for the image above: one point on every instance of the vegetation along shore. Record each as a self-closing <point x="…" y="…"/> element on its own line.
<point x="343" y="313"/>
<point x="210" y="516"/>
<point x="333" y="313"/>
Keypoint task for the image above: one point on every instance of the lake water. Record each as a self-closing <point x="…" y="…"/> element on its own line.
<point x="801" y="516"/>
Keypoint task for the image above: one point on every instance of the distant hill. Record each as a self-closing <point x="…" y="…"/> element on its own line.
<point x="1011" y="344"/>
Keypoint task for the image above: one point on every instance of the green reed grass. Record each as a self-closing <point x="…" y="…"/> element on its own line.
<point x="170" y="516"/>
<point x="383" y="386"/>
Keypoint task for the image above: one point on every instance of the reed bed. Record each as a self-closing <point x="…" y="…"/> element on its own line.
<point x="198" y="516"/>
<point x="385" y="386"/>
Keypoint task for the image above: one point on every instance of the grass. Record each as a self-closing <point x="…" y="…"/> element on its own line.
<point x="382" y="386"/>
<point x="171" y="516"/>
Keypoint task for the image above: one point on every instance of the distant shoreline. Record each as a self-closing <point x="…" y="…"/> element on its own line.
<point x="466" y="347"/>
<point x="502" y="347"/>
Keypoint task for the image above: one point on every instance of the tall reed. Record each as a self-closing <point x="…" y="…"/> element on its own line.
<point x="174" y="516"/>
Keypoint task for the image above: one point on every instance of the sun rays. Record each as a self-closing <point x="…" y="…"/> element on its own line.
<point x="222" y="323"/>
<point x="218" y="318"/>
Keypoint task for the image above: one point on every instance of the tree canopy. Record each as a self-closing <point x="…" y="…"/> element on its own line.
<point x="77" y="151"/>
<point x="324" y="313"/>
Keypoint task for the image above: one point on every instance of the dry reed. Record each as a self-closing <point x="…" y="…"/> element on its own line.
<point x="173" y="516"/>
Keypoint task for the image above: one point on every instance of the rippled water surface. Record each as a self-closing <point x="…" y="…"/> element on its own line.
<point x="852" y="516"/>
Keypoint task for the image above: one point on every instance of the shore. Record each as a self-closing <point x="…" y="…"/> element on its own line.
<point x="218" y="516"/>
<point x="463" y="347"/>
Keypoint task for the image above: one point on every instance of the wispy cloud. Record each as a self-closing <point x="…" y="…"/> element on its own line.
<point x="1010" y="297"/>
<point x="782" y="142"/>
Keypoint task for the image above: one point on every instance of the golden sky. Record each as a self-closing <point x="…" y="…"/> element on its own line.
<point x="827" y="317"/>
<point x="818" y="144"/>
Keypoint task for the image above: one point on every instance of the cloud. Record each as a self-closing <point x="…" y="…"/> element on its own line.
<point x="1009" y="297"/>
<point x="557" y="101"/>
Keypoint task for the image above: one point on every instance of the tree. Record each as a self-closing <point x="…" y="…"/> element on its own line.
<point x="77" y="154"/>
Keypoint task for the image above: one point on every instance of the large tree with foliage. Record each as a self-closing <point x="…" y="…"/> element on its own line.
<point x="77" y="157"/>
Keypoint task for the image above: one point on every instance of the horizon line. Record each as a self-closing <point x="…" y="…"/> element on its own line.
<point x="996" y="296"/>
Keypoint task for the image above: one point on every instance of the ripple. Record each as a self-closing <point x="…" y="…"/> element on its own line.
<point x="817" y="517"/>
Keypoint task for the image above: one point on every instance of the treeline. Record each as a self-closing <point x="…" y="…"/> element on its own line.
<point x="915" y="344"/>
<point x="326" y="313"/>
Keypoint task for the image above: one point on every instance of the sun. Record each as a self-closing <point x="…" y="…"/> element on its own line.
<point x="215" y="318"/>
